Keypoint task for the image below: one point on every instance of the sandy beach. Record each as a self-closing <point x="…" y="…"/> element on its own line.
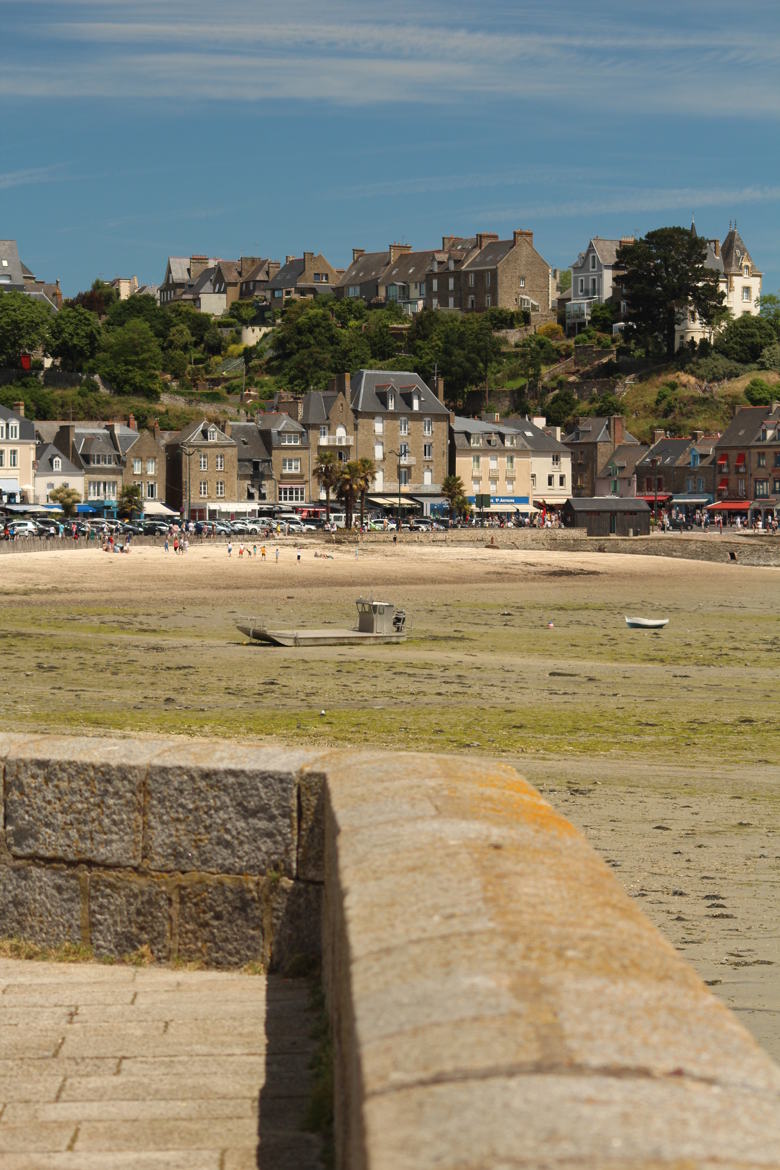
<point x="662" y="746"/>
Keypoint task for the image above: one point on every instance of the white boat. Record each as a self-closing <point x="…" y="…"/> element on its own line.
<point x="639" y="623"/>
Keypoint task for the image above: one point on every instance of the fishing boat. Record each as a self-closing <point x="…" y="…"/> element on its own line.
<point x="378" y="621"/>
<point x="640" y="623"/>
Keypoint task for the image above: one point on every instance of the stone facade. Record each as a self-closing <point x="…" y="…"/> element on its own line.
<point x="202" y="470"/>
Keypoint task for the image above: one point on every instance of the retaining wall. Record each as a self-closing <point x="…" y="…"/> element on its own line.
<point x="496" y="999"/>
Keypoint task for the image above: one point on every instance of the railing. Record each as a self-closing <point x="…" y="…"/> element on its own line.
<point x="336" y="440"/>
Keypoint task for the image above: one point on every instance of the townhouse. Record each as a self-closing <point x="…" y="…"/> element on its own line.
<point x="518" y="464"/>
<point x="17" y="456"/>
<point x="202" y="471"/>
<point x="309" y="275"/>
<point x="591" y="442"/>
<point x="54" y="470"/>
<point x="506" y="274"/>
<point x="595" y="279"/>
<point x="747" y="465"/>
<point x="738" y="279"/>
<point x="678" y="473"/>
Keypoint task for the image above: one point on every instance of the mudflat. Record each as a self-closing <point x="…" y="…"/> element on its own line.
<point x="663" y="745"/>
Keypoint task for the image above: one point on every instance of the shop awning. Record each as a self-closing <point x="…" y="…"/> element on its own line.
<point x="156" y="508"/>
<point x="729" y="506"/>
<point x="392" y="501"/>
<point x="651" y="497"/>
<point x="686" y="499"/>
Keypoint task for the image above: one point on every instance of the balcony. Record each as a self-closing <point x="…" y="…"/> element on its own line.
<point x="336" y="440"/>
<point x="406" y="460"/>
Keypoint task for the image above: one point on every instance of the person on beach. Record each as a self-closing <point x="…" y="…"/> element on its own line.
<point x="276" y="554"/>
<point x="262" y="554"/>
<point x="229" y="549"/>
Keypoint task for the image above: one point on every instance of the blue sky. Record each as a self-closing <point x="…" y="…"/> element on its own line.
<point x="133" y="131"/>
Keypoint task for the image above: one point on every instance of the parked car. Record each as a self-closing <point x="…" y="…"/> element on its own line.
<point x="154" y="527"/>
<point x="23" y="527"/>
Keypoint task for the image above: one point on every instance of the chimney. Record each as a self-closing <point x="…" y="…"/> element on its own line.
<point x="658" y="434"/>
<point x="698" y="436"/>
<point x="396" y="250"/>
<point x="197" y="265"/>
<point x="228" y="428"/>
<point x="156" y="429"/>
<point x="273" y="268"/>
<point x="539" y="421"/>
<point x="357" y="253"/>
<point x="131" y="422"/>
<point x="19" y="409"/>
<point x="308" y="259"/>
<point x="484" y="238"/>
<point x="70" y="431"/>
<point x="446" y="243"/>
<point x="522" y="234"/>
<point x="440" y="389"/>
<point x="617" y="429"/>
<point x="288" y="259"/>
<point x="716" y="247"/>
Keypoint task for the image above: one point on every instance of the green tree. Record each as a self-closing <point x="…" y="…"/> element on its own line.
<point x="744" y="339"/>
<point x="67" y="498"/>
<point x="130" y="359"/>
<point x="759" y="393"/>
<point x="564" y="280"/>
<point x="453" y="491"/>
<point x="179" y="337"/>
<point x="130" y="500"/>
<point x="144" y="308"/>
<point x="98" y="299"/>
<point x="666" y="276"/>
<point x="562" y="407"/>
<point x="75" y="336"/>
<point x="24" y="326"/>
<point x="326" y="472"/>
<point x="770" y="311"/>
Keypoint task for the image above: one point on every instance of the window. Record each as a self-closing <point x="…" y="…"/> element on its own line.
<point x="56" y="464"/>
<point x="404" y="477"/>
<point x="493" y="463"/>
<point x="593" y="261"/>
<point x="151" y="465"/>
<point x="292" y="495"/>
<point x="323" y="434"/>
<point x="403" y="425"/>
<point x="581" y="285"/>
<point x="451" y="303"/>
<point x="476" y="441"/>
<point x="203" y="489"/>
<point x="2" y="429"/>
<point x="2" y="458"/>
<point x="746" y="294"/>
<point x="556" y="460"/>
<point x="471" y="280"/>
<point x="762" y="489"/>
<point x="551" y="481"/>
<point x="689" y="483"/>
<point x="510" y="487"/>
<point x="427" y="450"/>
<point x="379" y="424"/>
<point x="212" y="434"/>
<point x="522" y="282"/>
<point x="427" y="426"/>
<point x="220" y="463"/>
<point x="427" y="476"/>
<point x="475" y="463"/>
<point x="13" y="458"/>
<point x="509" y="441"/>
<point x="137" y="465"/>
<point x="390" y="400"/>
<point x="740" y="487"/>
<point x="289" y="438"/>
<point x="403" y="451"/>
<point x="434" y="285"/>
<point x="761" y="459"/>
<point x="746" y="270"/>
<point x="776" y="486"/>
<point x="13" y="430"/>
<point x="700" y="483"/>
<point x="435" y="303"/>
<point x="204" y="461"/>
<point x="220" y="489"/>
<point x="488" y="301"/>
<point x="354" y="290"/>
<point x="291" y="465"/>
<point x="494" y="487"/>
<point x="533" y="479"/>
<point x="510" y="463"/>
<point x="593" y="286"/>
<point x="379" y="452"/>
<point x="151" y="490"/>
<point x="562" y="481"/>
<point x="475" y="485"/>
<point x="487" y="279"/>
<point x="415" y="401"/>
<point x="472" y="302"/>
<point x="451" y="284"/>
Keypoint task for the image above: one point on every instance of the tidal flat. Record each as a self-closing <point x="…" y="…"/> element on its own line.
<point x="663" y="746"/>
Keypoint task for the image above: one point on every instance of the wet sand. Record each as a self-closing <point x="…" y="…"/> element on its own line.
<point x="662" y="746"/>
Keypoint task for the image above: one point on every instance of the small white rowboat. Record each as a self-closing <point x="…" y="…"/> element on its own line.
<point x="637" y="623"/>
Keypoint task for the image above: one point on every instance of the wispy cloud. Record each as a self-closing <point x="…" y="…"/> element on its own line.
<point x="628" y="201"/>
<point x="246" y="51"/>
<point x="32" y="176"/>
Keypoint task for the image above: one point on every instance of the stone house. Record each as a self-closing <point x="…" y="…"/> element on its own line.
<point x="286" y="442"/>
<point x="17" y="456"/>
<point x="202" y="471"/>
<point x="99" y="451"/>
<point x="591" y="442"/>
<point x="738" y="279"/>
<point x="256" y="482"/>
<point x="229" y="275"/>
<point x="507" y="274"/>
<point x="487" y="458"/>
<point x="181" y="274"/>
<point x="618" y="476"/>
<point x="309" y="275"/>
<point x="146" y="465"/>
<point x="677" y="472"/>
<point x="362" y="280"/>
<point x="254" y="283"/>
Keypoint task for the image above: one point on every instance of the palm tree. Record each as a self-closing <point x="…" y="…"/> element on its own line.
<point x="453" y="491"/>
<point x="350" y="486"/>
<point x="327" y="472"/>
<point x="367" y="472"/>
<point x="130" y="499"/>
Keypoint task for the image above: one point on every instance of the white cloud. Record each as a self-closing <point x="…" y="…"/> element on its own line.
<point x="31" y="176"/>
<point x="627" y="201"/>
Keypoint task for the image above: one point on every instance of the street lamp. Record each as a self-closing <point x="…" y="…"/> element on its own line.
<point x="188" y="452"/>
<point x="399" y="457"/>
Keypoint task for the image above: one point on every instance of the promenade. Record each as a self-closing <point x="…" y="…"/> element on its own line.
<point x="107" y="1067"/>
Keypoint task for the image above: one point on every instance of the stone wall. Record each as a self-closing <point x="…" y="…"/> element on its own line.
<point x="198" y="851"/>
<point x="496" y="998"/>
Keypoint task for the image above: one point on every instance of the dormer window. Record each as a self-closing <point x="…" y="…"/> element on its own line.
<point x="746" y="270"/>
<point x="13" y="430"/>
<point x="390" y="400"/>
<point x="592" y="261"/>
<point x="415" y="401"/>
<point x="2" y="430"/>
<point x="212" y="434"/>
<point x="56" y="464"/>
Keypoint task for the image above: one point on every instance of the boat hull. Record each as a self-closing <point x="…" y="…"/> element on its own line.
<point x="637" y="623"/>
<point x="329" y="637"/>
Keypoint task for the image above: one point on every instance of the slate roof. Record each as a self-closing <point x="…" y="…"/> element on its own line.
<point x="12" y="267"/>
<point x="26" y="426"/>
<point x="607" y="504"/>
<point x="368" y="267"/>
<point x="667" y="452"/>
<point x="625" y="458"/>
<point x="253" y="445"/>
<point x="490" y="256"/>
<point x="594" y="430"/>
<point x="734" y="253"/>
<point x="746" y="426"/>
<point x="317" y="405"/>
<point x="606" y="250"/>
<point x="410" y="267"/>
<point x="537" y="439"/>
<point x="369" y="392"/>
<point x="198" y="433"/>
<point x="273" y="423"/>
<point x="45" y="453"/>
